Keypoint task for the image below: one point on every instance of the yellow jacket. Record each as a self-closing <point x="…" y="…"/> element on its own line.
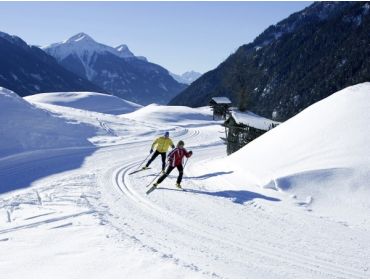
<point x="163" y="144"/>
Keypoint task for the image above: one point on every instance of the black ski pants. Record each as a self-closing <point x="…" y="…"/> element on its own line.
<point x="156" y="153"/>
<point x="180" y="168"/>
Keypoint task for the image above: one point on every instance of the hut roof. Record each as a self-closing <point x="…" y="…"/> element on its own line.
<point x="221" y="100"/>
<point x="252" y="120"/>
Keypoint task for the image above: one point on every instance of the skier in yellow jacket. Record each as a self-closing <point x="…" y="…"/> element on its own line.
<point x="162" y="143"/>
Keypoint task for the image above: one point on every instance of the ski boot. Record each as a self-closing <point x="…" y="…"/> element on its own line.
<point x="178" y="186"/>
<point x="163" y="171"/>
<point x="145" y="168"/>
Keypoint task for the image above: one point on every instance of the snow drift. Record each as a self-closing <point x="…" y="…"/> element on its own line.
<point x="179" y="115"/>
<point x="321" y="155"/>
<point x="25" y="127"/>
<point x="91" y="101"/>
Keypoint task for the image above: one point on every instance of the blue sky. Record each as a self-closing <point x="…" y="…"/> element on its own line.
<point x="180" y="36"/>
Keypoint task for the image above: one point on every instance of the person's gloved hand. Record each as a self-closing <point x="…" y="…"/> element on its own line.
<point x="190" y="153"/>
<point x="151" y="151"/>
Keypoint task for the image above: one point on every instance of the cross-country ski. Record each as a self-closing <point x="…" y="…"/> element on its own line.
<point x="136" y="171"/>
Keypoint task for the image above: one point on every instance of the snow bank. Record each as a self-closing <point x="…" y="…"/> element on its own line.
<point x="180" y="115"/>
<point x="321" y="155"/>
<point x="24" y="127"/>
<point x="91" y="101"/>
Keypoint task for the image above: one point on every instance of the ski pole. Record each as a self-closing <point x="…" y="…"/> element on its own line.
<point x="156" y="176"/>
<point x="144" y="161"/>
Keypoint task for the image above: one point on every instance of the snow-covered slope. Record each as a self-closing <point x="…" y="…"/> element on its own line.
<point x="178" y="115"/>
<point x="24" y="127"/>
<point x="320" y="156"/>
<point x="90" y="101"/>
<point x="229" y="222"/>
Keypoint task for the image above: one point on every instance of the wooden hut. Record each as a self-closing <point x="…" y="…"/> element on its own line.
<point x="220" y="107"/>
<point x="242" y="128"/>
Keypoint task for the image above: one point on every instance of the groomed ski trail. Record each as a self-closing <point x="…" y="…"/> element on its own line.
<point x="205" y="241"/>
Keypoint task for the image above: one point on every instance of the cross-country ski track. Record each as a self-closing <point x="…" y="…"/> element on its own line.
<point x="77" y="209"/>
<point x="200" y="243"/>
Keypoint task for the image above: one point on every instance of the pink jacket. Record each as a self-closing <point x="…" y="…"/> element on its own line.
<point x="176" y="155"/>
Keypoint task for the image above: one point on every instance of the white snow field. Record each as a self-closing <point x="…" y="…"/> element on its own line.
<point x="91" y="101"/>
<point x="24" y="127"/>
<point x="291" y="204"/>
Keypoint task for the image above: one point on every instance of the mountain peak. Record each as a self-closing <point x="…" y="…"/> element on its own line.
<point x="122" y="48"/>
<point x="186" y="78"/>
<point x="80" y="37"/>
<point x="124" y="51"/>
<point x="85" y="47"/>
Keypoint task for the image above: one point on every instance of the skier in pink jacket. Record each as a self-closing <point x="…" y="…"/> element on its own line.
<point x="175" y="158"/>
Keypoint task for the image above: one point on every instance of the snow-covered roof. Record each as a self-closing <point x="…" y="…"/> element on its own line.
<point x="221" y="100"/>
<point x="253" y="120"/>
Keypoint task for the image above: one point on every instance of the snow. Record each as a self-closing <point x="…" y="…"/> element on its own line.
<point x="187" y="77"/>
<point x="124" y="51"/>
<point x="90" y="101"/>
<point x="221" y="100"/>
<point x="25" y="127"/>
<point x="291" y="204"/>
<point x="317" y="154"/>
<point x="84" y="47"/>
<point x="252" y="120"/>
<point x="174" y="115"/>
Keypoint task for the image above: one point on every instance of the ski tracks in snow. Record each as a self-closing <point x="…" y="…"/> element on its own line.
<point x="202" y="246"/>
<point x="202" y="233"/>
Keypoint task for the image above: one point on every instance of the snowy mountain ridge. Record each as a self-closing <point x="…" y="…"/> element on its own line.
<point x="117" y="70"/>
<point x="27" y="69"/>
<point x="85" y="47"/>
<point x="186" y="78"/>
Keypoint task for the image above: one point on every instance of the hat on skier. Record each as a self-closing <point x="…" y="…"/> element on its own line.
<point x="166" y="134"/>
<point x="181" y="143"/>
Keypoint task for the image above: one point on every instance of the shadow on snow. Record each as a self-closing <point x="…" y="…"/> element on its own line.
<point x="174" y="174"/>
<point x="209" y="175"/>
<point x="239" y="197"/>
<point x="21" y="170"/>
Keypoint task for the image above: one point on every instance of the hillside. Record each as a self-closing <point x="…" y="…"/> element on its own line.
<point x="91" y="101"/>
<point x="27" y="70"/>
<point x="291" y="204"/>
<point x="318" y="156"/>
<point x="294" y="63"/>
<point x="25" y="127"/>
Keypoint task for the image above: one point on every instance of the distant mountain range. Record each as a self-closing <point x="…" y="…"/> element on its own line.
<point x="116" y="70"/>
<point x="291" y="65"/>
<point x="187" y="77"/>
<point x="27" y="70"/>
